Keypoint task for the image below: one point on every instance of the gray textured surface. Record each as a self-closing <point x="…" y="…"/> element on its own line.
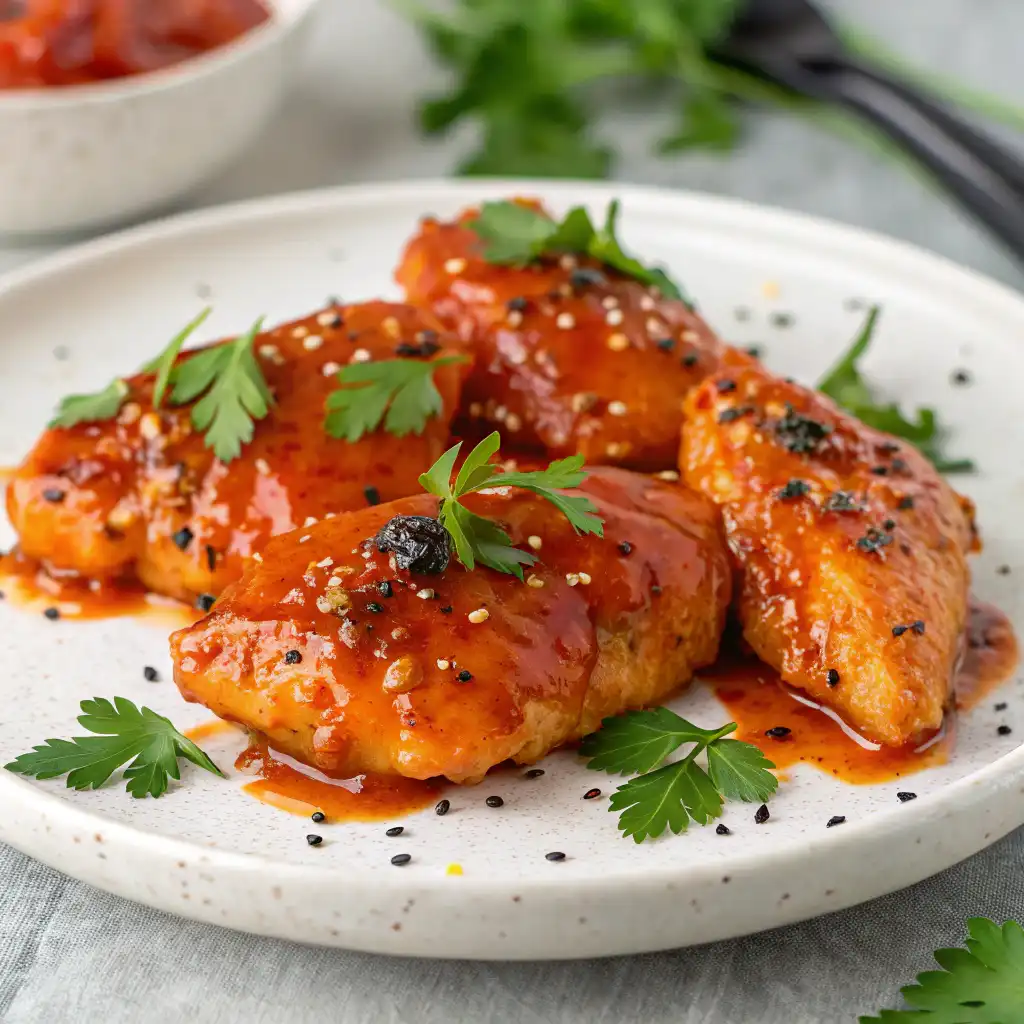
<point x="69" y="953"/>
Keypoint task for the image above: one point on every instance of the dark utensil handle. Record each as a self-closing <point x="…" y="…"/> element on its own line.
<point x="972" y="179"/>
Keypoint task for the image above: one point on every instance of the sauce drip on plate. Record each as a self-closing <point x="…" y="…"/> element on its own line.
<point x="990" y="655"/>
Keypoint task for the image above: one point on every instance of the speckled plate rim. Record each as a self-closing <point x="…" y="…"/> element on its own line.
<point x="765" y="890"/>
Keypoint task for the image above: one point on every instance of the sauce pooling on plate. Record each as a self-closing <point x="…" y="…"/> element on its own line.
<point x="71" y="42"/>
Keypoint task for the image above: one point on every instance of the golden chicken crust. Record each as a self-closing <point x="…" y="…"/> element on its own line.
<point x="142" y="497"/>
<point x="850" y="548"/>
<point x="569" y="356"/>
<point x="352" y="665"/>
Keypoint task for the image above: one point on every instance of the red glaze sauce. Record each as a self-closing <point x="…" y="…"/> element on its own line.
<point x="70" y="42"/>
<point x="990" y="655"/>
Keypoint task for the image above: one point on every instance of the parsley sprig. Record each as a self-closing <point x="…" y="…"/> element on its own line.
<point x="164" y="364"/>
<point x="982" y="984"/>
<point x="516" y="234"/>
<point x="123" y="733"/>
<point x="399" y="392"/>
<point x="671" y="796"/>
<point x="477" y="539"/>
<point x="844" y="384"/>
<point x="89" y="408"/>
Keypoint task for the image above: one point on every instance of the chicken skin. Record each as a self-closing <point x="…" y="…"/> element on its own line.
<point x="141" y="497"/>
<point x="352" y="664"/>
<point x="850" y="548"/>
<point x="569" y="356"/>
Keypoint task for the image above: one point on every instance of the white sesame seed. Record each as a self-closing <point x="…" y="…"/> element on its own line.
<point x="475" y="410"/>
<point x="262" y="467"/>
<point x="514" y="318"/>
<point x="617" y="449"/>
<point x="518" y="356"/>
<point x="617" y="408"/>
<point x="500" y="413"/>
<point x="442" y="664"/>
<point x="329" y="369"/>
<point x="149" y="426"/>
<point x="583" y="401"/>
<point x="568" y="262"/>
<point x="618" y="342"/>
<point x="312" y="343"/>
<point x="691" y="336"/>
<point x="300" y="331"/>
<point x="535" y="542"/>
<point x="326" y="563"/>
<point x="655" y="327"/>
<point x="609" y="302"/>
<point x="455" y="265"/>
<point x="302" y="540"/>
<point x="647" y="303"/>
<point x="584" y="578"/>
<point x="257" y="557"/>
<point x="330" y="515"/>
<point x="310" y="521"/>
<point x="613" y="317"/>
<point x="572" y="579"/>
<point x="478" y="616"/>
<point x="361" y="355"/>
<point x="334" y="581"/>
<point x="328" y="319"/>
<point x="566" y="321"/>
<point x="130" y="413"/>
<point x="426" y="594"/>
<point x="268" y="351"/>
<point x="391" y="327"/>
<point x="399" y="633"/>
<point x="323" y="604"/>
<point x="667" y="474"/>
<point x="513" y="423"/>
<point x="534" y="581"/>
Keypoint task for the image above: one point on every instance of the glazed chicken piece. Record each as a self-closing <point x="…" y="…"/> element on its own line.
<point x="850" y="547"/>
<point x="570" y="356"/>
<point x="352" y="664"/>
<point x="142" y="497"/>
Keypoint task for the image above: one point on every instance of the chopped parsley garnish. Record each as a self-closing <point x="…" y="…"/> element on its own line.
<point x="845" y="386"/>
<point x="982" y="984"/>
<point x="670" y="796"/>
<point x="517" y="234"/>
<point x="477" y="539"/>
<point x="399" y="392"/>
<point x="123" y="733"/>
<point x="91" y="408"/>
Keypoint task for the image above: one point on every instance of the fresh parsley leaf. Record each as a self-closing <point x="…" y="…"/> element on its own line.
<point x="670" y="796"/>
<point x="846" y="387"/>
<point x="123" y="733"/>
<point x="477" y="539"/>
<point x="982" y="984"/>
<point x="516" y="234"/>
<point x="164" y="364"/>
<point x="401" y="392"/>
<point x="100" y="405"/>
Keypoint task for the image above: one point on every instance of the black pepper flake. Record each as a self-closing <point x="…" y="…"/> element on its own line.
<point x="906" y="503"/>
<point x="211" y="557"/>
<point x="905" y="797"/>
<point x="395" y="830"/>
<point x="150" y="674"/>
<point x="690" y="359"/>
<point x="888" y="448"/>
<point x="733" y="414"/>
<point x="918" y="627"/>
<point x="445" y="609"/>
<point x="54" y="495"/>
<point x="385" y="589"/>
<point x="761" y="815"/>
<point x="592" y="794"/>
<point x="442" y="807"/>
<point x="464" y="676"/>
<point x="874" y="540"/>
<point x="494" y="801"/>
<point x="960" y="378"/>
<point x="880" y="470"/>
<point x="666" y="344"/>
<point x="319" y="817"/>
<point x="371" y="494"/>
<point x="836" y="819"/>
<point x="534" y="773"/>
<point x="404" y="348"/>
<point x="899" y="466"/>
<point x="725" y="386"/>
<point x="781" y="320"/>
<point x="1001" y="706"/>
<point x="554" y="855"/>
<point x="1004" y="730"/>
<point x="401" y="859"/>
<point x="656" y="590"/>
<point x="292" y="657"/>
<point x="374" y="606"/>
<point x="794" y="489"/>
<point x="204" y="602"/>
<point x="778" y="732"/>
<point x="183" y="538"/>
<point x="832" y="677"/>
<point x="517" y="305"/>
<point x="889" y="524"/>
<point x="800" y="434"/>
<point x="756" y="351"/>
<point x="584" y="277"/>
<point x="842" y="501"/>
<point x="314" y="840"/>
<point x="899" y="630"/>
<point x="723" y="830"/>
<point x="625" y="547"/>
<point x="53" y="614"/>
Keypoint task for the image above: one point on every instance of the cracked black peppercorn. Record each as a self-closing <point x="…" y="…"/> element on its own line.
<point x="905" y="797"/>
<point x="183" y="538"/>
<point x="314" y="840"/>
<point x="625" y="548"/>
<point x="419" y="543"/>
<point x="385" y="589"/>
<point x="761" y="815"/>
<point x="150" y="674"/>
<point x="54" y="494"/>
<point x="375" y="606"/>
<point x="464" y="676"/>
<point x="723" y="830"/>
<point x="836" y="819"/>
<point x="204" y="602"/>
<point x="292" y="657"/>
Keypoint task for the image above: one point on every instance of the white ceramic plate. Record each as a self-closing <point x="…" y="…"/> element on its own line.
<point x="208" y="851"/>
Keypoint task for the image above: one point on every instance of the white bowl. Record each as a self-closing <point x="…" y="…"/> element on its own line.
<point x="84" y="157"/>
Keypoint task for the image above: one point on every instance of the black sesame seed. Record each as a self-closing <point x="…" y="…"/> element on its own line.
<point x="442" y="807"/>
<point x="778" y="732"/>
<point x="401" y="859"/>
<point x="960" y="378"/>
<point x="1004" y="730"/>
<point x="534" y="773"/>
<point x="204" y="602"/>
<point x="314" y="840"/>
<point x="445" y="609"/>
<point x="375" y="606"/>
<point x="554" y="855"/>
<point x="592" y="794"/>
<point x="464" y="676"/>
<point x="53" y="614"/>
<point x="836" y="819"/>
<point x="723" y="830"/>
<point x="586" y="278"/>
<point x="1001" y="706"/>
<point x="517" y="305"/>
<point x="625" y="548"/>
<point x="395" y="830"/>
<point x="918" y="627"/>
<point x="906" y="503"/>
<point x="725" y="386"/>
<point x="889" y="524"/>
<point x="292" y="657"/>
<point x="385" y="589"/>
<point x="371" y="494"/>
<point x="905" y="797"/>
<point x="150" y="674"/>
<point x="761" y="815"/>
<point x="666" y="344"/>
<point x="690" y="359"/>
<point x="183" y="538"/>
<point x="211" y="557"/>
<point x="319" y="817"/>
<point x="832" y="677"/>
<point x="899" y="630"/>
<point x="494" y="801"/>
<point x="54" y="494"/>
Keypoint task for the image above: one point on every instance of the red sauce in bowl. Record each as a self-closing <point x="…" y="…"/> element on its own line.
<point x="70" y="42"/>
